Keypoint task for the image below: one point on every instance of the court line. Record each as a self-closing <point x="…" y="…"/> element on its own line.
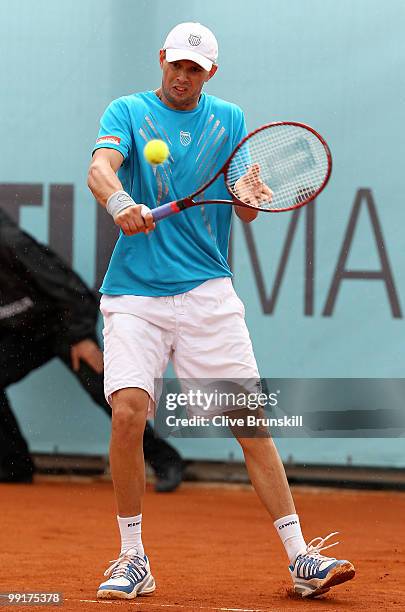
<point x="138" y="603"/>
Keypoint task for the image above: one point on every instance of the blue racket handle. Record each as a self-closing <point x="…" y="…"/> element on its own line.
<point x="161" y="212"/>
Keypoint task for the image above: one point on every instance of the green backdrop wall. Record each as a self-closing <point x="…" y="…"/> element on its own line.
<point x="336" y="310"/>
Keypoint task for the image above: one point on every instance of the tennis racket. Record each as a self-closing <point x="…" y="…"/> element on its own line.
<point x="280" y="166"/>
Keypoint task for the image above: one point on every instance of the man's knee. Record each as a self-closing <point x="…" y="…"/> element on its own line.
<point x="129" y="410"/>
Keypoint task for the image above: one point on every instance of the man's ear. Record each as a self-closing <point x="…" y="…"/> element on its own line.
<point x="162" y="56"/>
<point x="211" y="73"/>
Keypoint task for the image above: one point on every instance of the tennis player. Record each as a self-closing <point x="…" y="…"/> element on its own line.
<point x="168" y="294"/>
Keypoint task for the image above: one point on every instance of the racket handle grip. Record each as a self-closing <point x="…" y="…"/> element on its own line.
<point x="166" y="210"/>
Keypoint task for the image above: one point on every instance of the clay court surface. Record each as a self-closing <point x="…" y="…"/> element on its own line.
<point x="211" y="547"/>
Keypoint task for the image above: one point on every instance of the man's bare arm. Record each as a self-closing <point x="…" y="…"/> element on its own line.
<point x="246" y="214"/>
<point x="106" y="187"/>
<point x="102" y="178"/>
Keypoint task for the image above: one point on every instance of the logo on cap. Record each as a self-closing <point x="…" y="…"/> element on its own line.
<point x="185" y="138"/>
<point x="194" y="40"/>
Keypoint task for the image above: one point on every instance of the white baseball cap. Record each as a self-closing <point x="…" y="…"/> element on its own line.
<point x="192" y="41"/>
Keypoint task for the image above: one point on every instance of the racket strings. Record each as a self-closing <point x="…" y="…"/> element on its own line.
<point x="279" y="167"/>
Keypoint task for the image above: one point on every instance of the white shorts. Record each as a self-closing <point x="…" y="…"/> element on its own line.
<point x="202" y="331"/>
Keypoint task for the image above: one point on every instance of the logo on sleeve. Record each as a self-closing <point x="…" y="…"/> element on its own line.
<point x="108" y="140"/>
<point x="185" y="138"/>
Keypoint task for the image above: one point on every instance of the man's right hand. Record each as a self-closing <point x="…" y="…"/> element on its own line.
<point x="135" y="219"/>
<point x="104" y="183"/>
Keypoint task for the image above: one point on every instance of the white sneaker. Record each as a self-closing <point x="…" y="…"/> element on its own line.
<point x="313" y="574"/>
<point x="129" y="576"/>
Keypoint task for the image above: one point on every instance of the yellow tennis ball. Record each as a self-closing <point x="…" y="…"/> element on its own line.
<point x="156" y="151"/>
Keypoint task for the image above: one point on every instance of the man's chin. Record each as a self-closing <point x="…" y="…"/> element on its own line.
<point x="181" y="102"/>
<point x="180" y="98"/>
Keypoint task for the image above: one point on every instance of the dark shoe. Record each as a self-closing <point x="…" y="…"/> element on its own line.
<point x="17" y="468"/>
<point x="169" y="478"/>
<point x="25" y="478"/>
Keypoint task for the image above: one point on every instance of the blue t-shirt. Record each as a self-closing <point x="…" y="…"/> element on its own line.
<point x="191" y="247"/>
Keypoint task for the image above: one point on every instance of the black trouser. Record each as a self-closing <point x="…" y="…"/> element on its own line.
<point x="18" y="357"/>
<point x="15" y="459"/>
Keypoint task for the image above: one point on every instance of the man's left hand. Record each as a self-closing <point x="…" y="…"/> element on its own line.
<point x="251" y="189"/>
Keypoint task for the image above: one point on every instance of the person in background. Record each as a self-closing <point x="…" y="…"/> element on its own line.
<point x="47" y="311"/>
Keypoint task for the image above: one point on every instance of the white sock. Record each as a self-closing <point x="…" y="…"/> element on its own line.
<point x="289" y="529"/>
<point x="131" y="533"/>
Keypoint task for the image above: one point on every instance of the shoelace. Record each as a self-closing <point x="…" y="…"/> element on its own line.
<point x="316" y="545"/>
<point x="308" y="562"/>
<point x="119" y="566"/>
